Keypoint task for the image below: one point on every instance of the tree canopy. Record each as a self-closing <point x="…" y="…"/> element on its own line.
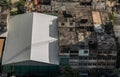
<point x="67" y="71"/>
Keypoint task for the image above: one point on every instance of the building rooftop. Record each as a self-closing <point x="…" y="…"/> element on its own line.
<point x="67" y="37"/>
<point x="106" y="41"/>
<point x="32" y="37"/>
<point x="96" y="17"/>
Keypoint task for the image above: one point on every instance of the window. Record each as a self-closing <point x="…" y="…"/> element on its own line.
<point x="94" y="58"/>
<point x="85" y="51"/>
<point x="64" y="51"/>
<point x="99" y="64"/>
<point x="85" y="58"/>
<point x="113" y="58"/>
<point x="71" y="23"/>
<point x="94" y="64"/>
<point x="84" y="21"/>
<point x="90" y="58"/>
<point x="74" y="64"/>
<point x="80" y="58"/>
<point x="62" y="23"/>
<point x="71" y="29"/>
<point x="83" y="64"/>
<point x="64" y="61"/>
<point x="89" y="63"/>
<point x="108" y="64"/>
<point x="103" y="64"/>
<point x="112" y="64"/>
<point x="73" y="57"/>
<point x="74" y="51"/>
<point x="99" y="58"/>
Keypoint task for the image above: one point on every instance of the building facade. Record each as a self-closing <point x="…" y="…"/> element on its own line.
<point x="84" y="41"/>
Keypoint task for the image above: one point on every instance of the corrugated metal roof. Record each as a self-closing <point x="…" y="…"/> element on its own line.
<point x="32" y="37"/>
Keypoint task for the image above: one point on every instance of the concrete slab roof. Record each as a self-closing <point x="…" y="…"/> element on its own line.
<point x="96" y="17"/>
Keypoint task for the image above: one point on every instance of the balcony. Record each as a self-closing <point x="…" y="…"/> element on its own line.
<point x="74" y="60"/>
<point x="66" y="54"/>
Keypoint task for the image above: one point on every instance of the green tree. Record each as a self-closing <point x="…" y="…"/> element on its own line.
<point x="116" y="71"/>
<point x="20" y="6"/>
<point x="76" y="73"/>
<point x="67" y="71"/>
<point x="8" y="4"/>
<point x="112" y="17"/>
<point x="5" y="3"/>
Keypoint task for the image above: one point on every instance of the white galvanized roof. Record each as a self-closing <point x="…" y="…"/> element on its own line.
<point x="32" y="37"/>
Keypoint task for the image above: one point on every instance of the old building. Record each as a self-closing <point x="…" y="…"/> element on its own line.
<point x="84" y="43"/>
